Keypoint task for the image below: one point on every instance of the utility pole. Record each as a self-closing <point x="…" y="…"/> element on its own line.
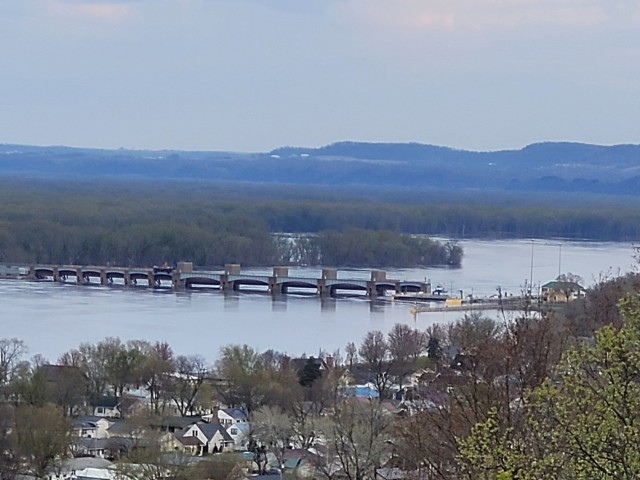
<point x="531" y="273"/>
<point x="560" y="260"/>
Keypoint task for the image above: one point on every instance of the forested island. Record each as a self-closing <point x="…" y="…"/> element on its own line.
<point x="142" y="224"/>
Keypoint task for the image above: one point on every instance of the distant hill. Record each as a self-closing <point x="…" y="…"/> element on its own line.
<point x="546" y="167"/>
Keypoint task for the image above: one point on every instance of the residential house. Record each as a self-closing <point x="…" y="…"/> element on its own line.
<point x="91" y="437"/>
<point x="102" y="438"/>
<point x="358" y="381"/>
<point x="91" y="427"/>
<point x="108" y="407"/>
<point x="173" y="424"/>
<point x="111" y="406"/>
<point x="94" y="447"/>
<point x="212" y="437"/>
<point x="237" y="425"/>
<point x="83" y="468"/>
<point x="188" y="445"/>
<point x="302" y="463"/>
<point x="230" y="416"/>
<point x="240" y="433"/>
<point x="367" y="390"/>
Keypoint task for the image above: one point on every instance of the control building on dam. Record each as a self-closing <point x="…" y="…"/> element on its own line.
<point x="231" y="279"/>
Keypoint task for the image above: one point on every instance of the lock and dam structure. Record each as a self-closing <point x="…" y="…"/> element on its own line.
<point x="184" y="277"/>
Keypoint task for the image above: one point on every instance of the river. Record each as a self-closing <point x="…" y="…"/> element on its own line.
<point x="53" y="318"/>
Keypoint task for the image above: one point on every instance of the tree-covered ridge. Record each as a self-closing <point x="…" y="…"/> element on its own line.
<point x="543" y="167"/>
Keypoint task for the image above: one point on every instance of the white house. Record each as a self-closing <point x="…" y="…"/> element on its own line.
<point x="229" y="416"/>
<point x="235" y="422"/>
<point x="239" y="432"/>
<point x="211" y="437"/>
<point x="91" y="427"/>
<point x="108" y="407"/>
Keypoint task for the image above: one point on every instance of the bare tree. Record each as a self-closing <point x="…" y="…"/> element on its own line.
<point x="95" y="361"/>
<point x="189" y="376"/>
<point x="242" y="371"/>
<point x="72" y="358"/>
<point x="374" y="351"/>
<point x="273" y="427"/>
<point x="156" y="368"/>
<point x="472" y="330"/>
<point x="357" y="439"/>
<point x="9" y="464"/>
<point x="12" y="351"/>
<point x="406" y="344"/>
<point x="40" y="437"/>
<point x="352" y="354"/>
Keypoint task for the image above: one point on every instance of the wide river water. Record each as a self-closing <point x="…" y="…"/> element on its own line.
<point x="53" y="318"/>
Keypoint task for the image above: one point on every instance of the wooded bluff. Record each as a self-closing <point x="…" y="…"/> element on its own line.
<point x="559" y="167"/>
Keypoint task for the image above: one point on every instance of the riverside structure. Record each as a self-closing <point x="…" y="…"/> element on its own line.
<point x="231" y="279"/>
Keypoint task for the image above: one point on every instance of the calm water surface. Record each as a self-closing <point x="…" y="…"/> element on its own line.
<point x="53" y="318"/>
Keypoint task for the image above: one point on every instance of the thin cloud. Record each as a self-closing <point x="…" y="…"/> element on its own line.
<point x="105" y="11"/>
<point x="481" y="15"/>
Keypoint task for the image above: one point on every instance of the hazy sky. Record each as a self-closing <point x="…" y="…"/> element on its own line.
<point x="252" y="75"/>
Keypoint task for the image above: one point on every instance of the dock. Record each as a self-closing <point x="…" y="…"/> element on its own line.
<point x="520" y="302"/>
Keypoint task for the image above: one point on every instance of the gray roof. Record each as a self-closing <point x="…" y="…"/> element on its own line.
<point x="85" y="462"/>
<point x="235" y="413"/>
<point x="210" y="429"/>
<point x="174" y="422"/>
<point x="188" y="440"/>
<point x="391" y="473"/>
<point x="78" y="423"/>
<point x="118" y="426"/>
<point x="94" y="443"/>
<point x="88" y="421"/>
<point x="109" y="401"/>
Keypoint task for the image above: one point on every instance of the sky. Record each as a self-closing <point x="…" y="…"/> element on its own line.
<point x="254" y="75"/>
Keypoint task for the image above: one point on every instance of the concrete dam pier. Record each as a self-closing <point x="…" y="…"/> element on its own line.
<point x="183" y="276"/>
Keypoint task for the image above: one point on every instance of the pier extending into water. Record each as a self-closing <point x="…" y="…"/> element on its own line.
<point x="230" y="279"/>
